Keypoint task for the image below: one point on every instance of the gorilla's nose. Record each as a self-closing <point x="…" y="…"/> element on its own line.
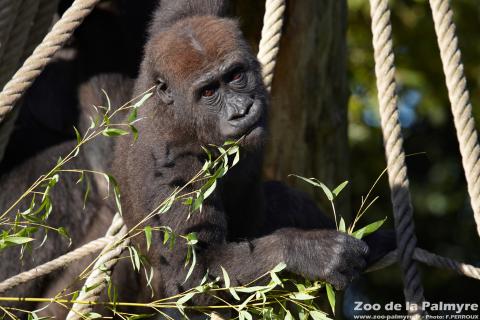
<point x="238" y="107"/>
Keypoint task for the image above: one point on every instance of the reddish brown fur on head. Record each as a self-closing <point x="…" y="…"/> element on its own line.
<point x="192" y="44"/>
<point x="208" y="83"/>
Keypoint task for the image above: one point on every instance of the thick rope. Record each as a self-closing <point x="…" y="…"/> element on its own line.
<point x="56" y="264"/>
<point x="432" y="260"/>
<point x="32" y="22"/>
<point x="459" y="99"/>
<point x="270" y="41"/>
<point x="34" y="65"/>
<point x="393" y="140"/>
<point x="102" y="269"/>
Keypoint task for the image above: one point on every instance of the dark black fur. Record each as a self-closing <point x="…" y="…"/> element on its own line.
<point x="245" y="226"/>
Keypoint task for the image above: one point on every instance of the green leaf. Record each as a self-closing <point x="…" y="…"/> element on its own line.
<point x="18" y="240"/>
<point x="142" y="100"/>
<point x="92" y="123"/>
<point x="331" y="296"/>
<point x="87" y="191"/>
<point x="279" y="267"/>
<point x="317" y="315"/>
<point x="166" y="205"/>
<point x="113" y="132"/>
<point x="276" y="279"/>
<point x="192" y="239"/>
<point x="252" y="289"/>
<point x="166" y="236"/>
<point x="134" y="132"/>
<point x="244" y="303"/>
<point x="109" y="104"/>
<point x="80" y="179"/>
<point x="134" y="257"/>
<point x="225" y="277"/>
<point x="78" y="135"/>
<point x="307" y="180"/>
<point x="64" y="233"/>
<point x="192" y="265"/>
<point x="205" y="278"/>
<point x="316" y="183"/>
<point x="210" y="188"/>
<point x="288" y="316"/>
<point x="197" y="204"/>
<point x="93" y="315"/>
<point x="244" y="315"/>
<point x="339" y="189"/>
<point x="185" y="298"/>
<point x="341" y="225"/>
<point x="368" y="229"/>
<point x="234" y="293"/>
<point x="327" y="191"/>
<point x="301" y="296"/>
<point x="148" y="236"/>
<point x="132" y="116"/>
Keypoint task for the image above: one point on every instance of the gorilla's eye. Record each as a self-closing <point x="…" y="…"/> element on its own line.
<point x="235" y="76"/>
<point x="209" y="92"/>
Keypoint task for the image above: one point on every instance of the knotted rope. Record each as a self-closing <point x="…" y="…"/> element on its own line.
<point x="270" y="40"/>
<point x="459" y="99"/>
<point x="393" y="140"/>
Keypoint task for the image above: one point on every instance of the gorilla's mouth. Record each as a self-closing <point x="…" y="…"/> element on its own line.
<point x="245" y="125"/>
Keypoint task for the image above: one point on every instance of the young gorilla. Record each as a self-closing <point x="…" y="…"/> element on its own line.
<point x="209" y="89"/>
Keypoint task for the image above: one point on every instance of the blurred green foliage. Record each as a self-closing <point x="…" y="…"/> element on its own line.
<point x="443" y="217"/>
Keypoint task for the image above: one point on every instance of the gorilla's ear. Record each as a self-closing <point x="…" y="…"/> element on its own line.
<point x="164" y="92"/>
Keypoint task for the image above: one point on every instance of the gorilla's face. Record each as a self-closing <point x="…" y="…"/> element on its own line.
<point x="230" y="98"/>
<point x="205" y="73"/>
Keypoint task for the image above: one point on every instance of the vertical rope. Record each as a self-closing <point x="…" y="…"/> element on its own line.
<point x="397" y="170"/>
<point x="459" y="99"/>
<point x="270" y="41"/>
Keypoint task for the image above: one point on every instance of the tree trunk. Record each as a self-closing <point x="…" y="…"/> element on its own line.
<point x="308" y="116"/>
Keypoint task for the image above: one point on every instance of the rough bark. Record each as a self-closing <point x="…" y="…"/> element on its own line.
<point x="308" y="117"/>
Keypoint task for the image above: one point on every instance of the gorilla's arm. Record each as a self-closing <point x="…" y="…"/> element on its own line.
<point x="316" y="254"/>
<point x="288" y="207"/>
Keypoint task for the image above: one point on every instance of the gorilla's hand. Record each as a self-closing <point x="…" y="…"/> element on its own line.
<point x="327" y="255"/>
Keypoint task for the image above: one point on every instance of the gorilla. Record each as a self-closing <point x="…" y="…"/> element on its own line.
<point x="208" y="89"/>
